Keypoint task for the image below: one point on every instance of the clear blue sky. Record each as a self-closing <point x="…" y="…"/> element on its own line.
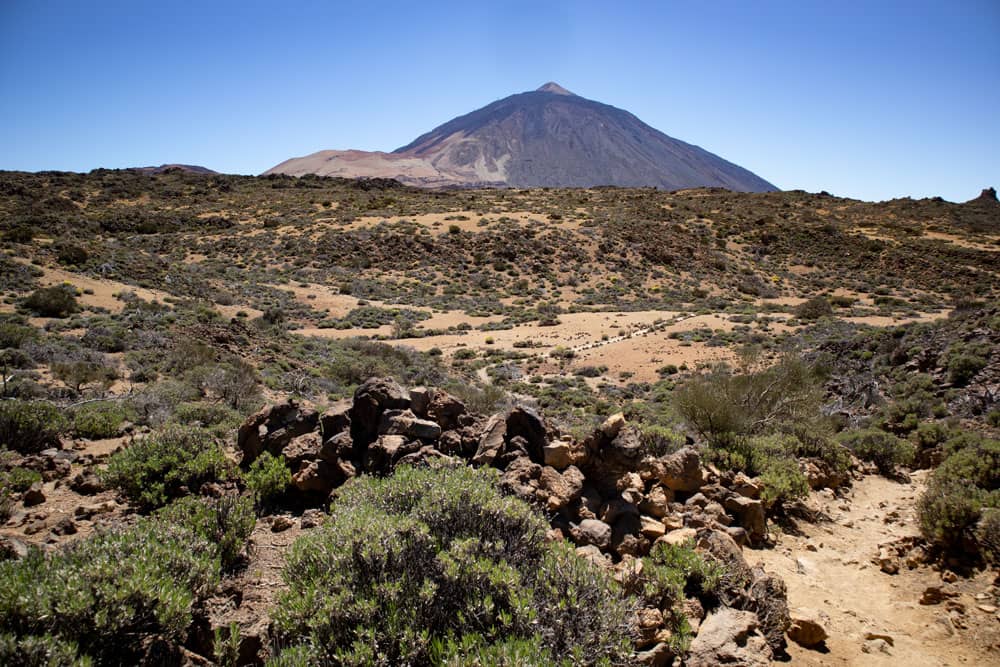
<point x="864" y="99"/>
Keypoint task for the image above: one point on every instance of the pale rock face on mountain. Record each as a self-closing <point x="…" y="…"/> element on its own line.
<point x="549" y="137"/>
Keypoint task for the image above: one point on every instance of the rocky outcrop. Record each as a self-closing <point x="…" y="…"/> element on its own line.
<point x="604" y="492"/>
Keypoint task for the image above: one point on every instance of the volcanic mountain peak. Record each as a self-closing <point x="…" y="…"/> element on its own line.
<point x="548" y="137"/>
<point x="553" y="87"/>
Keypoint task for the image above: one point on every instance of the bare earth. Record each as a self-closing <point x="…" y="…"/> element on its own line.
<point x="839" y="579"/>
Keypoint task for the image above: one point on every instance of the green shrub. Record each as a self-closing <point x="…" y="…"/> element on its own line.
<point x="101" y="598"/>
<point x="723" y="405"/>
<point x="813" y="309"/>
<point x="56" y="301"/>
<point x="43" y="651"/>
<point x="225" y="523"/>
<point x="963" y="366"/>
<point x="30" y="426"/>
<point x="165" y="464"/>
<point x="930" y="434"/>
<point x="670" y="574"/>
<point x="782" y="481"/>
<point x="14" y="480"/>
<point x="18" y="479"/>
<point x="268" y="479"/>
<point x="99" y="420"/>
<point x="987" y="534"/>
<point x="658" y="440"/>
<point x="965" y="485"/>
<point x="433" y="559"/>
<point x="70" y="253"/>
<point x="883" y="449"/>
<point x="13" y="334"/>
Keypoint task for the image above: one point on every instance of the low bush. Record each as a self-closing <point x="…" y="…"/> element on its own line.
<point x="18" y="479"/>
<point x="165" y="465"/>
<point x="963" y="366"/>
<point x="99" y="599"/>
<point x="30" y="426"/>
<point x="658" y="440"/>
<point x="782" y="481"/>
<point x="56" y="301"/>
<point x="225" y="523"/>
<point x="883" y="449"/>
<point x="813" y="309"/>
<point x="433" y="560"/>
<point x="964" y="486"/>
<point x="268" y="479"/>
<point x="103" y="419"/>
<point x="670" y="574"/>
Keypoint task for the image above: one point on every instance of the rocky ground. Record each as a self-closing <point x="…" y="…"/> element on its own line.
<point x="860" y="573"/>
<point x="852" y="585"/>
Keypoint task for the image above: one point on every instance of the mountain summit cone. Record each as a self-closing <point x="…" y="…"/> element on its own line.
<point x="547" y="137"/>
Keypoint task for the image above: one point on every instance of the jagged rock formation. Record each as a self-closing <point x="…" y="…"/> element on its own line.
<point x="604" y="493"/>
<point x="543" y="138"/>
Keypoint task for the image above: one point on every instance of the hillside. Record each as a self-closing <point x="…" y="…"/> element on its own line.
<point x="275" y="420"/>
<point x="544" y="138"/>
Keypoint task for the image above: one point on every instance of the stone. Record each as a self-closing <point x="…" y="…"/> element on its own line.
<point x="312" y="518"/>
<point x="404" y="422"/>
<point x="657" y="501"/>
<point x="384" y="452"/>
<point x="660" y="655"/>
<point x="445" y="409"/>
<point x="281" y="523"/>
<point x="335" y="419"/>
<point x="695" y="613"/>
<point x="593" y="553"/>
<point x="302" y="448"/>
<point x="525" y="422"/>
<point x="272" y="428"/>
<point x="65" y="526"/>
<point x="681" y="470"/>
<point x="560" y="488"/>
<point x="730" y="637"/>
<point x="371" y="399"/>
<point x="612" y="426"/>
<point x="806" y="628"/>
<point x="679" y="536"/>
<point x="33" y="496"/>
<point x="745" y="486"/>
<point x="87" y="511"/>
<point x="491" y="442"/>
<point x="651" y="528"/>
<point x="12" y="548"/>
<point x="592" y="532"/>
<point x="876" y="646"/>
<point x="86" y="483"/>
<point x="420" y="400"/>
<point x="750" y="514"/>
<point x="558" y="454"/>
<point x="649" y="621"/>
<point x="936" y="595"/>
<point x="317" y="477"/>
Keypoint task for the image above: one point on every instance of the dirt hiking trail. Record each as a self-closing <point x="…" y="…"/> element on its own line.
<point x="875" y="618"/>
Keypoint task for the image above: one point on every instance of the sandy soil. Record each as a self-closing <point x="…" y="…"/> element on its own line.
<point x="828" y="567"/>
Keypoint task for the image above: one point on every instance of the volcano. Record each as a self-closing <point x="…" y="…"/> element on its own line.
<point x="548" y="137"/>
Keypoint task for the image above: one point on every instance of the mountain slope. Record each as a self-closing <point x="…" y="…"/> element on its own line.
<point x="545" y="138"/>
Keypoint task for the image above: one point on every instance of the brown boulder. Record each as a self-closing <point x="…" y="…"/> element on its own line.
<point x="681" y="470"/>
<point x="273" y="428"/>
<point x="729" y="637"/>
<point x="807" y="628"/>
